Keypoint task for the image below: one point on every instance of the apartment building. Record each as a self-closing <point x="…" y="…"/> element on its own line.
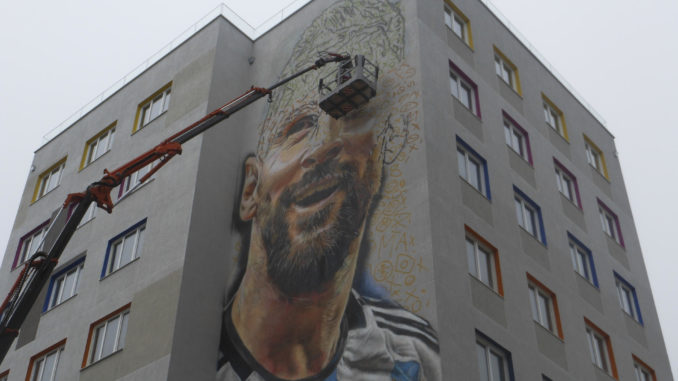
<point x="499" y="228"/>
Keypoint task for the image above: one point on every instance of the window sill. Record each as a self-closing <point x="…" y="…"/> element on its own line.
<point x="60" y="304"/>
<point x="601" y="174"/>
<point x="538" y="325"/>
<point x="632" y="318"/>
<point x="470" y="111"/>
<point x="531" y="235"/>
<point x="44" y="195"/>
<point x="101" y="359"/>
<point x="571" y="202"/>
<point x="587" y="281"/>
<point x="510" y="87"/>
<point x="520" y="156"/>
<point x="474" y="188"/>
<point x="556" y="132"/>
<point x="119" y="268"/>
<point x="611" y="239"/>
<point x="475" y="278"/>
<point x="132" y="191"/>
<point x="93" y="161"/>
<point x="466" y="43"/>
<point x="603" y="371"/>
<point x="149" y="123"/>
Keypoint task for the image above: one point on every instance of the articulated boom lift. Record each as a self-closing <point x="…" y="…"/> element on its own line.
<point x="352" y="87"/>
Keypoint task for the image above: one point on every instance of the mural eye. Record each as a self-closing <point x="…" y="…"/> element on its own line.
<point x="306" y="123"/>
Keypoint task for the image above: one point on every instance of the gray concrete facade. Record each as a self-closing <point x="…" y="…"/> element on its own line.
<point x="176" y="286"/>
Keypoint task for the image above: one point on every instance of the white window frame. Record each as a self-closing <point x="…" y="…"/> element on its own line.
<point x="152" y="109"/>
<point x="50" y="180"/>
<point x="115" y="257"/>
<point x="39" y="369"/>
<point x="99" y="333"/>
<point x="594" y="157"/>
<point x="541" y="305"/>
<point x="481" y="262"/>
<point x="581" y="261"/>
<point x="553" y="118"/>
<point x="465" y="162"/>
<point x="505" y="71"/>
<point x="528" y="217"/>
<point x="567" y="186"/>
<point x="492" y="362"/>
<point x="59" y="293"/>
<point x="516" y="139"/>
<point x="99" y="146"/>
<point x="89" y="215"/>
<point x="31" y="244"/>
<point x="609" y="224"/>
<point x="131" y="182"/>
<point x="627" y="299"/>
<point x="642" y="373"/>
<point x="463" y="91"/>
<point x="598" y="350"/>
<point x="456" y="23"/>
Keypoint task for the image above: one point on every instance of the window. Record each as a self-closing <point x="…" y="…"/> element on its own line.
<point x="45" y="365"/>
<point x="582" y="260"/>
<point x="90" y="213"/>
<point x="131" y="182"/>
<point x="567" y="183"/>
<point x="506" y="70"/>
<point x="628" y="299"/>
<point x="30" y="243"/>
<point x="458" y="23"/>
<point x="544" y="306"/>
<point x="610" y="223"/>
<point x="595" y="157"/>
<point x="473" y="168"/>
<point x="494" y="362"/>
<point x="49" y="179"/>
<point x="4" y="375"/>
<point x="643" y="371"/>
<point x="483" y="260"/>
<point x="554" y="117"/>
<point x="544" y="378"/>
<point x="464" y="90"/>
<point x="124" y="248"/>
<point x="153" y="107"/>
<point x="517" y="138"/>
<point x="106" y="336"/>
<point x="63" y="285"/>
<point x="600" y="349"/>
<point x="529" y="216"/>
<point x="98" y="145"/>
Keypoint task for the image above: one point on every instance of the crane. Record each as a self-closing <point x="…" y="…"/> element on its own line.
<point x="352" y="85"/>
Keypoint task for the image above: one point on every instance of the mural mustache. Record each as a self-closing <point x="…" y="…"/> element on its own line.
<point x="304" y="253"/>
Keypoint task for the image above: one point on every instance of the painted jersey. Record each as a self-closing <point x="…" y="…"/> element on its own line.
<point x="379" y="341"/>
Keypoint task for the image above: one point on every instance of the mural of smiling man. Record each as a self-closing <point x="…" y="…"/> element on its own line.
<point x="305" y="307"/>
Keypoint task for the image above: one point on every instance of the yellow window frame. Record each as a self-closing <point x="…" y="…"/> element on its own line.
<point x="92" y="139"/>
<point x="145" y="102"/>
<point x="43" y="174"/>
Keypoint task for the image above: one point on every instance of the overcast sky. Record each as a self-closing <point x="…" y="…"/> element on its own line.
<point x="621" y="55"/>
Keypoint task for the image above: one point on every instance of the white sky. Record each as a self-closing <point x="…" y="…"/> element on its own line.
<point x="621" y="55"/>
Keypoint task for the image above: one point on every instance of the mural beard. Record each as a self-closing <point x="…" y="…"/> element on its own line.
<point x="307" y="267"/>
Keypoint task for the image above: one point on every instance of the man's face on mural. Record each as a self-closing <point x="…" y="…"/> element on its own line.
<point x="315" y="185"/>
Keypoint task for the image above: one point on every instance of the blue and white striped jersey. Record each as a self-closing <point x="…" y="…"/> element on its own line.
<point x="379" y="341"/>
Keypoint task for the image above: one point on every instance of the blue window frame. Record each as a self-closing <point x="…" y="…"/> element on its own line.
<point x="529" y="216"/>
<point x="124" y="248"/>
<point x="473" y="168"/>
<point x="63" y="284"/>
<point x="582" y="259"/>
<point x="628" y="299"/>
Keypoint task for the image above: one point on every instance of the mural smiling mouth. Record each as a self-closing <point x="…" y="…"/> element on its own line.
<point x="317" y="193"/>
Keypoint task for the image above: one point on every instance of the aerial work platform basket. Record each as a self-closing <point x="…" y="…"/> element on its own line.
<point x="349" y="87"/>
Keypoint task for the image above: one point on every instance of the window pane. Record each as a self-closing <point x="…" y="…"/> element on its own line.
<point x="497" y="366"/>
<point x="38" y="368"/>
<point x="69" y="285"/>
<point x="123" y="331"/>
<point x="482" y="362"/>
<point x="458" y="27"/>
<point x="128" y="249"/>
<point x="165" y="104"/>
<point x="57" y="291"/>
<point x="115" y="256"/>
<point x="98" y="342"/>
<point x="517" y="142"/>
<point x="507" y="134"/>
<point x="49" y="367"/>
<point x="533" y="304"/>
<point x="484" y="267"/>
<point x="110" y="336"/>
<point x="156" y="107"/>
<point x="471" y="257"/>
<point x="140" y="241"/>
<point x="461" y="163"/>
<point x="474" y="174"/>
<point x="497" y="66"/>
<point x="529" y="220"/>
<point x="544" y="311"/>
<point x="465" y="96"/>
<point x="519" y="212"/>
<point x="448" y="18"/>
<point x="454" y="86"/>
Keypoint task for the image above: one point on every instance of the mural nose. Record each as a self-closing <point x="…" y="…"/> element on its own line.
<point x="322" y="153"/>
